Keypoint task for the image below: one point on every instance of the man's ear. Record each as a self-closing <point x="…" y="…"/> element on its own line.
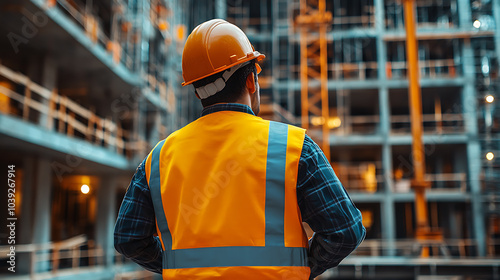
<point x="250" y="83"/>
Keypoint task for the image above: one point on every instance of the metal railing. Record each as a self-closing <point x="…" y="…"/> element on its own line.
<point x="91" y="25"/>
<point x="369" y="177"/>
<point x="89" y="22"/>
<point x="64" y="115"/>
<point x="363" y="124"/>
<point x="428" y="68"/>
<point x="461" y="248"/>
<point x="360" y="176"/>
<point x="365" y="70"/>
<point x="435" y="123"/>
<point x="353" y="70"/>
<point x="362" y="70"/>
<point x="71" y="257"/>
<point x="438" y="181"/>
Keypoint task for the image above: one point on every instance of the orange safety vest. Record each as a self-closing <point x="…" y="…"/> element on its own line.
<point x="224" y="193"/>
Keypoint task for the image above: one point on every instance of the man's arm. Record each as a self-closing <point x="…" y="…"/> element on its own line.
<point x="136" y="225"/>
<point x="328" y="209"/>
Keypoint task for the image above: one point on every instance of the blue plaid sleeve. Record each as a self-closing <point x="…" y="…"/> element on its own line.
<point x="328" y="209"/>
<point x="135" y="226"/>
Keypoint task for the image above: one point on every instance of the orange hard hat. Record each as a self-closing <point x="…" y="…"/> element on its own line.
<point x="214" y="46"/>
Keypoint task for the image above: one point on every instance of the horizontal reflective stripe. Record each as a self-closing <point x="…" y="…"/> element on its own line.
<point x="235" y="256"/>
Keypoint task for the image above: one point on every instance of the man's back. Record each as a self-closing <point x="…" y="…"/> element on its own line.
<point x="228" y="193"/>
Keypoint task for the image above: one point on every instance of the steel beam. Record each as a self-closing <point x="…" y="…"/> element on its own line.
<point x="418" y="183"/>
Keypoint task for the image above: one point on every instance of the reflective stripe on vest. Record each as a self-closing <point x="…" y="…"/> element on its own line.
<point x="273" y="254"/>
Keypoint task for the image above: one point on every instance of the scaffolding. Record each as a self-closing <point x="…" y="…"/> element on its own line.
<point x="313" y="22"/>
<point x="369" y="117"/>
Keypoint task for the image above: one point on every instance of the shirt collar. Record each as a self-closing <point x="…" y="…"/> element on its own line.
<point x="227" y="107"/>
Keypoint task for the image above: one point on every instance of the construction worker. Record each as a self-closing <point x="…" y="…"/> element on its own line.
<point x="227" y="194"/>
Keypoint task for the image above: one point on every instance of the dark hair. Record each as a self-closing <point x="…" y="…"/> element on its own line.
<point x="234" y="86"/>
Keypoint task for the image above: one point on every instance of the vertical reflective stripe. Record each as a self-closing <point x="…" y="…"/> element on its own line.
<point x="155" y="188"/>
<point x="275" y="184"/>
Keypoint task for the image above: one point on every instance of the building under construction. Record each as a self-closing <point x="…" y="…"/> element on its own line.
<point x="87" y="88"/>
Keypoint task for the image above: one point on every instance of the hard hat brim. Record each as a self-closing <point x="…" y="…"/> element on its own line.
<point x="253" y="55"/>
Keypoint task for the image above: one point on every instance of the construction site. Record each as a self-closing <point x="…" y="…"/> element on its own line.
<point x="401" y="95"/>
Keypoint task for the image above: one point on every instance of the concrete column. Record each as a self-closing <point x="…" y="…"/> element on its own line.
<point x="140" y="124"/>
<point x="42" y="206"/>
<point x="439" y="169"/>
<point x="220" y="9"/>
<point x="453" y="221"/>
<point x="473" y="146"/>
<point x="496" y="14"/>
<point x="381" y="48"/>
<point x="464" y="14"/>
<point x="154" y="135"/>
<point x="474" y="162"/>
<point x="469" y="92"/>
<point x="49" y="81"/>
<point x="385" y="111"/>
<point x="275" y="54"/>
<point x="27" y="190"/>
<point x="388" y="225"/>
<point x="106" y="216"/>
<point x="388" y="216"/>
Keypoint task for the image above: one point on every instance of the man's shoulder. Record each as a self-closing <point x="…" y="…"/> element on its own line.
<point x="310" y="145"/>
<point x="291" y="127"/>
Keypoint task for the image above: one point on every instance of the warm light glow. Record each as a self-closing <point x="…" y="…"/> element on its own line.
<point x="367" y="218"/>
<point x="316" y="121"/>
<point x="162" y="25"/>
<point x="334" y="122"/>
<point x="490" y="98"/>
<point x="490" y="156"/>
<point x="85" y="189"/>
<point x="181" y="32"/>
<point x="477" y="23"/>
